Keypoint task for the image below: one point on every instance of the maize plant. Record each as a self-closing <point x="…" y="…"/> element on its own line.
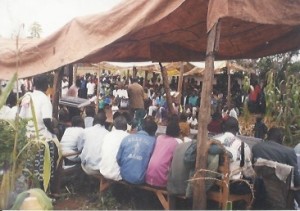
<point x="17" y="154"/>
<point x="283" y="105"/>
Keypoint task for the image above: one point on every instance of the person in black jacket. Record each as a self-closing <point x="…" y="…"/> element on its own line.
<point x="273" y="149"/>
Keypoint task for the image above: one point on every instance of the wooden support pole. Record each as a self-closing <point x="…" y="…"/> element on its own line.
<point x="228" y="86"/>
<point x="199" y="193"/>
<point x="165" y="79"/>
<point x="57" y="90"/>
<point x="134" y="72"/>
<point x="180" y="81"/>
<point x="145" y="79"/>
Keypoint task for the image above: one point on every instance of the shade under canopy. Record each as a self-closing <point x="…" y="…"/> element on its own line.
<point x="163" y="31"/>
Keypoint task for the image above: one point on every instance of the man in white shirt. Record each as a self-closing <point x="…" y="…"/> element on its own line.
<point x="93" y="140"/>
<point x="90" y="88"/>
<point x="240" y="164"/>
<point x="109" y="167"/>
<point x="72" y="139"/>
<point x="64" y="86"/>
<point x="42" y="106"/>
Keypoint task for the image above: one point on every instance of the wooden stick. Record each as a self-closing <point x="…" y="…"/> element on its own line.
<point x="199" y="194"/>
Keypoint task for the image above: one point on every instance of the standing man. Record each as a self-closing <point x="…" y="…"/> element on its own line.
<point x="136" y="101"/>
<point x="43" y="113"/>
<point x="42" y="106"/>
<point x="90" y="86"/>
<point x="64" y="86"/>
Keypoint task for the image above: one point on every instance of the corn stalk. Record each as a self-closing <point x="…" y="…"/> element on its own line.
<point x="15" y="149"/>
<point x="282" y="103"/>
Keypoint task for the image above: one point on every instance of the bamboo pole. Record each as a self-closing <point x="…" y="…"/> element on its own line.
<point x="98" y="91"/>
<point x="180" y="81"/>
<point x="228" y="86"/>
<point x="57" y="90"/>
<point x="199" y="193"/>
<point x="165" y="79"/>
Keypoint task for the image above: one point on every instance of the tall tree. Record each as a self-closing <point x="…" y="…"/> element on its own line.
<point x="35" y="30"/>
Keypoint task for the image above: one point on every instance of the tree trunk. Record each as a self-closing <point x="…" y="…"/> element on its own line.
<point x="57" y="90"/>
<point x="199" y="193"/>
<point x="164" y="75"/>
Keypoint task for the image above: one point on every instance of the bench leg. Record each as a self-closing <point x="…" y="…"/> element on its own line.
<point x="163" y="200"/>
<point x="104" y="184"/>
<point x="172" y="202"/>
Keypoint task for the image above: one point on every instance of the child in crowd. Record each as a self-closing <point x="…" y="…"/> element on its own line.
<point x="114" y="107"/>
<point x="184" y="127"/>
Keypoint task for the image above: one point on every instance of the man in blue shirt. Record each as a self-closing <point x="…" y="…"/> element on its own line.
<point x="135" y="152"/>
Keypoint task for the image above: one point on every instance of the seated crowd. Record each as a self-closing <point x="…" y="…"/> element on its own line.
<point x="121" y="152"/>
<point x="130" y="149"/>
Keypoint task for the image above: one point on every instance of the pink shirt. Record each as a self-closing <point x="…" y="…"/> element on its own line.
<point x="160" y="161"/>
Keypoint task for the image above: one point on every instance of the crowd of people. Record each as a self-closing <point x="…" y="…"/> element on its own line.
<point x="129" y="148"/>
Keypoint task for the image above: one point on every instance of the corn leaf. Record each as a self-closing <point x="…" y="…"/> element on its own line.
<point x="9" y="87"/>
<point x="5" y="189"/>
<point x="46" y="166"/>
<point x="34" y="118"/>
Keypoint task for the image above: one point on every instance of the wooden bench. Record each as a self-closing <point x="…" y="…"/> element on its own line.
<point x="161" y="193"/>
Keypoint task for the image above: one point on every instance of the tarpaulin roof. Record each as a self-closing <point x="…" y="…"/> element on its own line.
<point x="166" y="31"/>
<point x="218" y="65"/>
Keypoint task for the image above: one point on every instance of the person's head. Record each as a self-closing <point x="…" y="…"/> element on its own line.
<point x="100" y="118"/>
<point x="183" y="117"/>
<point x="11" y="101"/>
<point x="173" y="129"/>
<point x="216" y="116"/>
<point x="77" y="121"/>
<point x="231" y="125"/>
<point x="116" y="114"/>
<point x="41" y="82"/>
<point x="259" y="119"/>
<point x="90" y="111"/>
<point x="120" y="123"/>
<point x="173" y="117"/>
<point x="63" y="115"/>
<point x="128" y="117"/>
<point x="275" y="134"/>
<point x="134" y="80"/>
<point x="149" y="125"/>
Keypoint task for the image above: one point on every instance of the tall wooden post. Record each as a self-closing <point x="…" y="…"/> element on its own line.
<point x="180" y="81"/>
<point x="57" y="90"/>
<point x="165" y="79"/>
<point x="134" y="72"/>
<point x="199" y="193"/>
<point x="228" y="86"/>
<point x="145" y="79"/>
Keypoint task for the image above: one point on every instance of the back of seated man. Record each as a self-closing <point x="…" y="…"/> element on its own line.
<point x="240" y="163"/>
<point x="72" y="140"/>
<point x="272" y="149"/>
<point x="93" y="140"/>
<point x="135" y="152"/>
<point x="108" y="165"/>
<point x="183" y="167"/>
